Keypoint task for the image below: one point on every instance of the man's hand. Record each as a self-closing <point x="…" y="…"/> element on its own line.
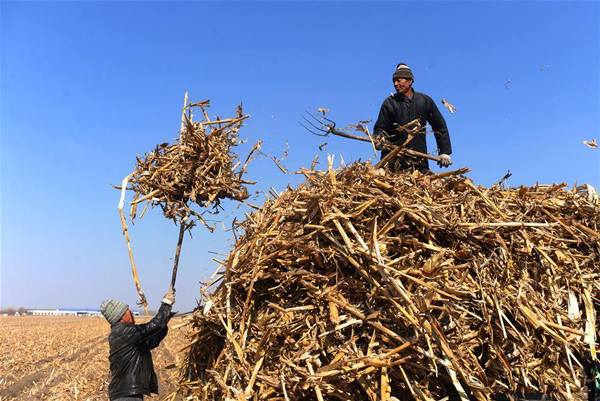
<point x="169" y="298"/>
<point x="445" y="160"/>
<point x="379" y="140"/>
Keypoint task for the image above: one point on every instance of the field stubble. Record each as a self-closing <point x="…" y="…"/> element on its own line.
<point x="66" y="358"/>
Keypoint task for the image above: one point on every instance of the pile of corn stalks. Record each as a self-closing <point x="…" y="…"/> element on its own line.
<point x="199" y="168"/>
<point x="362" y="285"/>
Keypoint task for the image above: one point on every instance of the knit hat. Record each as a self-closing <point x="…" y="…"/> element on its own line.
<point x="113" y="310"/>
<point x="403" y="71"/>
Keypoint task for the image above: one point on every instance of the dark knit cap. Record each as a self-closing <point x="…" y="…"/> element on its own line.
<point x="403" y="71"/>
<point x="113" y="310"/>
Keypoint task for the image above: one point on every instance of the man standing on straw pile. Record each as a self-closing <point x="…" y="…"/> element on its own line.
<point x="403" y="107"/>
<point x="131" y="370"/>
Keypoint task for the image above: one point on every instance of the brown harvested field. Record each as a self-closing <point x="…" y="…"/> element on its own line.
<point x="66" y="358"/>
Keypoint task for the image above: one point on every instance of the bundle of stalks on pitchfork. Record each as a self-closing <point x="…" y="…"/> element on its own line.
<point x="199" y="169"/>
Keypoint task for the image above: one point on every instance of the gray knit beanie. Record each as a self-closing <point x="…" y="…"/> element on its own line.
<point x="403" y="71"/>
<point x="113" y="310"/>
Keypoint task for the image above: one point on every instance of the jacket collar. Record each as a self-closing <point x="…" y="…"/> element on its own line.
<point x="400" y="97"/>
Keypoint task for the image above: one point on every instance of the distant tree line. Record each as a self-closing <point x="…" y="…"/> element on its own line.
<point x="13" y="311"/>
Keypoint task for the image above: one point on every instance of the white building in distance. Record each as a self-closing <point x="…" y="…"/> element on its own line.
<point x="69" y="312"/>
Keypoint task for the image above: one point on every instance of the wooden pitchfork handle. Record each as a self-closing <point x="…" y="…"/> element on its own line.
<point x="182" y="227"/>
<point x="407" y="151"/>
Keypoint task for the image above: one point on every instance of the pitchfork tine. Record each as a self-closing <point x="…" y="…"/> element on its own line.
<point x="309" y="130"/>
<point x="312" y="115"/>
<point x="321" y="118"/>
<point x="314" y="118"/>
<point x="314" y="126"/>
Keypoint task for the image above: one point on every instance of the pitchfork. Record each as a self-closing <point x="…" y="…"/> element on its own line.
<point x="327" y="126"/>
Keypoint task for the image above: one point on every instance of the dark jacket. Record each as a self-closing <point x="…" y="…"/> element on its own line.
<point x="397" y="109"/>
<point x="131" y="368"/>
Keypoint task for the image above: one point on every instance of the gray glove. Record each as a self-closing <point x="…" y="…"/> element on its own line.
<point x="169" y="298"/>
<point x="379" y="139"/>
<point x="445" y="160"/>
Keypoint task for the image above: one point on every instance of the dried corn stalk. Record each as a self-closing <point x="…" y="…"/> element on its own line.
<point x="360" y="284"/>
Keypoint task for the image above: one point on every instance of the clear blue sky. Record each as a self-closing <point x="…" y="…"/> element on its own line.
<point x="88" y="85"/>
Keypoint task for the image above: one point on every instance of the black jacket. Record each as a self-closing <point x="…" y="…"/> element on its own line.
<point x="397" y="109"/>
<point x="131" y="369"/>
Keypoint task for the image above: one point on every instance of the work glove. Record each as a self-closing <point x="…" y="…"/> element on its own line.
<point x="379" y="140"/>
<point x="445" y="160"/>
<point x="169" y="298"/>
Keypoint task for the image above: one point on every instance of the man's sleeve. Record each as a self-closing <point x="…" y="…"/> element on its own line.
<point x="384" y="120"/>
<point x="437" y="122"/>
<point x="155" y="340"/>
<point x="154" y="327"/>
